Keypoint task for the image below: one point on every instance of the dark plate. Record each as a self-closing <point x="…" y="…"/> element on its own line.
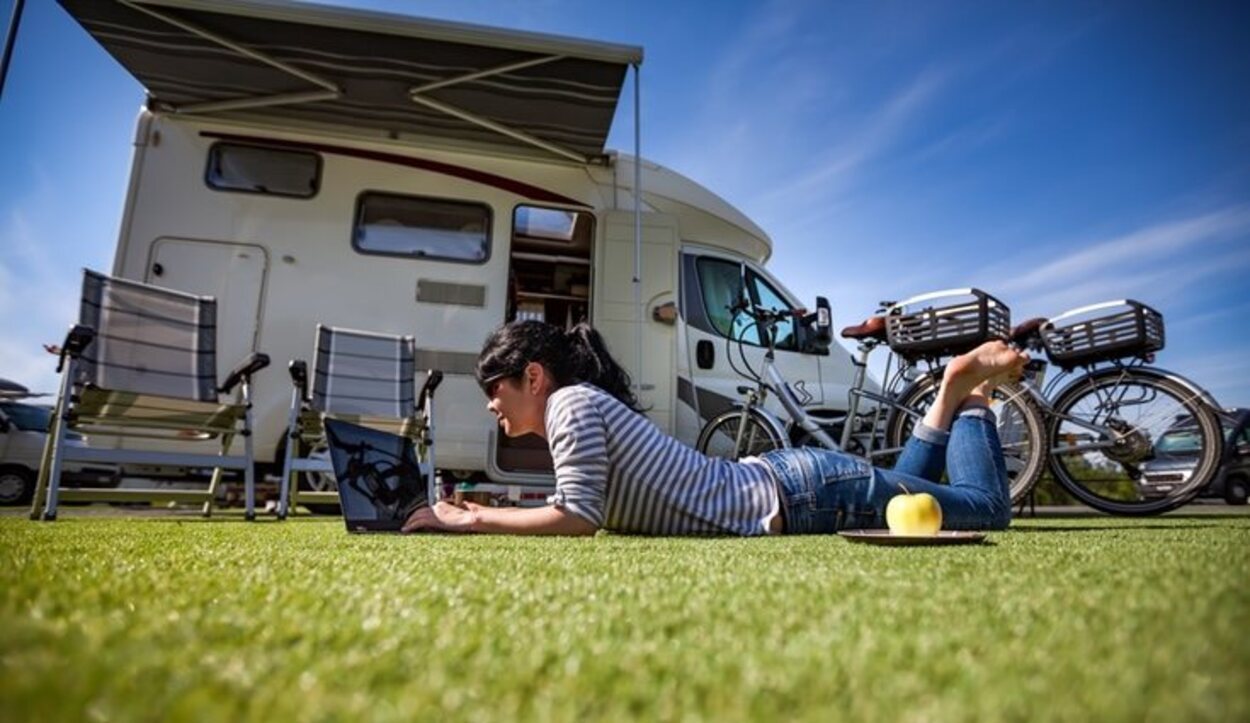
<point x="944" y="537"/>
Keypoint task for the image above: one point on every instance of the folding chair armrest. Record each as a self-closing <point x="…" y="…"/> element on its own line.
<point x="78" y="339"/>
<point x="298" y="369"/>
<point x="249" y="366"/>
<point x="433" y="378"/>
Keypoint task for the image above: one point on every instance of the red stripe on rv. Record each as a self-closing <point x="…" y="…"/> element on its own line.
<point x="534" y="193"/>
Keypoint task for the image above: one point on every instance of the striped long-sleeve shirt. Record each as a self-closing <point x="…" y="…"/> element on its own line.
<point x="617" y="470"/>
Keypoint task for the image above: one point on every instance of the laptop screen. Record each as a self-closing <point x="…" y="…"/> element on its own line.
<point x="378" y="476"/>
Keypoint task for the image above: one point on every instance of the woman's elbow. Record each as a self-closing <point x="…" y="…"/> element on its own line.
<point x="582" y="527"/>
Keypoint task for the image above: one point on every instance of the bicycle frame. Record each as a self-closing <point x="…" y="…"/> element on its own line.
<point x="790" y="402"/>
<point x="768" y="377"/>
<point x="897" y="381"/>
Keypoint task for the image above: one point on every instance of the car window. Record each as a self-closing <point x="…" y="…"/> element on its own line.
<point x="1181" y="441"/>
<point x="766" y="296"/>
<point x="26" y="417"/>
<point x="721" y="284"/>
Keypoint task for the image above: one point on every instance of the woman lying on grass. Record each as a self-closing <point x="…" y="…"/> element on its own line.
<point x="616" y="470"/>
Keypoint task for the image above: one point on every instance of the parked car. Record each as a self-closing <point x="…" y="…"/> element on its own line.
<point x="1175" y="452"/>
<point x="23" y="431"/>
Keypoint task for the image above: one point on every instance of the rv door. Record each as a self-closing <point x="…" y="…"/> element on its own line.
<point x="711" y="283"/>
<point x="634" y="337"/>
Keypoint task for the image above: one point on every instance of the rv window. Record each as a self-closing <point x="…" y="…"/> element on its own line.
<point x="253" y="169"/>
<point x="721" y="283"/>
<point x="766" y="296"/>
<point x="545" y="222"/>
<point x="422" y="227"/>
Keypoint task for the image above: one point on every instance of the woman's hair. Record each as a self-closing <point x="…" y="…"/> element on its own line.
<point x="573" y="356"/>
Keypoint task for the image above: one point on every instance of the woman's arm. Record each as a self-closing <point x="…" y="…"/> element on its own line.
<point x="470" y="517"/>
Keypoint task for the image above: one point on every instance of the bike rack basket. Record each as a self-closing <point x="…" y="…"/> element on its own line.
<point x="1102" y="332"/>
<point x="945" y="323"/>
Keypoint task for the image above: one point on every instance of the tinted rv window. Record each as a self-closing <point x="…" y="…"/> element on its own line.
<point x="769" y="298"/>
<point x="422" y="227"/>
<point x="721" y="283"/>
<point x="253" y="169"/>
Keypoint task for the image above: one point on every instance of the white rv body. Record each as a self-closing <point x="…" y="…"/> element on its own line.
<point x="279" y="266"/>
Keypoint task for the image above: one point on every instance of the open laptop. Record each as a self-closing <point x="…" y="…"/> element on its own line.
<point x="379" y="479"/>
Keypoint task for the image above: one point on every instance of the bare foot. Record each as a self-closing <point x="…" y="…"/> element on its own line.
<point x="970" y="380"/>
<point x="983" y="368"/>
<point x="984" y="392"/>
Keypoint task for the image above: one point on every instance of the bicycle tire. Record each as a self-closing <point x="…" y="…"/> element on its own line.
<point x="717" y="437"/>
<point x="1118" y="491"/>
<point x="1021" y="430"/>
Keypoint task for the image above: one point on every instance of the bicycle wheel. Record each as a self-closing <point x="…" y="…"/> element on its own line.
<point x="1021" y="430"/>
<point x="1109" y="424"/>
<point x="718" y="436"/>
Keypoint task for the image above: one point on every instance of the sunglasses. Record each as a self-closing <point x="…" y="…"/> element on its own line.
<point x="490" y="385"/>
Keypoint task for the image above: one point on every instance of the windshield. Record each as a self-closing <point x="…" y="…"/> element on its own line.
<point x="26" y="417"/>
<point x="1180" y="441"/>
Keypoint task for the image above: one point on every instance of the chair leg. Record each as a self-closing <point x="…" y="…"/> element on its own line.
<point x="213" y="485"/>
<point x="288" y="490"/>
<point x="214" y="482"/>
<point x="49" y="480"/>
<point x="288" y="477"/>
<point x="249" y="479"/>
<point x="54" y="473"/>
<point x="45" y="468"/>
<point x="249" y="471"/>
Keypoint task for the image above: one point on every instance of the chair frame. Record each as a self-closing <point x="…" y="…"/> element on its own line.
<point x="48" y="493"/>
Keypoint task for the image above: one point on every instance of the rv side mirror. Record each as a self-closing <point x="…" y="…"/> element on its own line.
<point x="820" y="324"/>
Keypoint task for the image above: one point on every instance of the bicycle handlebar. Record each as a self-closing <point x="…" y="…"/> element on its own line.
<point x="763" y="315"/>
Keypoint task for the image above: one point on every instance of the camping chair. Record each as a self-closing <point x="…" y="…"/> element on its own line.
<point x="142" y="363"/>
<point x="359" y="377"/>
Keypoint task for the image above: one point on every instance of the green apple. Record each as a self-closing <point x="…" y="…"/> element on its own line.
<point x="909" y="514"/>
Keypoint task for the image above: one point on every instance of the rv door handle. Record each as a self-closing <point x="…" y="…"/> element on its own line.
<point x="157" y="269"/>
<point x="705" y="354"/>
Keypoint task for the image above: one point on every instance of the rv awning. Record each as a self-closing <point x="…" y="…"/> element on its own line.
<point x="381" y="74"/>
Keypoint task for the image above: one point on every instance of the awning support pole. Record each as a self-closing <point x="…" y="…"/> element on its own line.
<point x="10" y="39"/>
<point x="500" y="128"/>
<point x="328" y="91"/>
<point x="638" y="316"/>
<point x="215" y="106"/>
<point x="416" y="94"/>
<point x="500" y="70"/>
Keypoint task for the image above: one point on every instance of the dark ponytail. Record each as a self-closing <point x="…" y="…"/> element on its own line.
<point x="573" y="356"/>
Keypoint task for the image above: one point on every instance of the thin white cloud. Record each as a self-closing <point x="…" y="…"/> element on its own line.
<point x="39" y="288"/>
<point x="1104" y="259"/>
<point x="879" y="131"/>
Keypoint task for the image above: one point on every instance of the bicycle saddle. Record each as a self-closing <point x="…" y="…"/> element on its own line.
<point x="1021" y="334"/>
<point x="872" y="328"/>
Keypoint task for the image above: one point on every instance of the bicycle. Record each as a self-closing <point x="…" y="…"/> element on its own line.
<point x="917" y="338"/>
<point x="1109" y="419"/>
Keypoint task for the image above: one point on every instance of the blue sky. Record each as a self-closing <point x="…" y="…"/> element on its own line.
<point x="1055" y="154"/>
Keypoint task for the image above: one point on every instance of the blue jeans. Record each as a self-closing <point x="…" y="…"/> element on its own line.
<point x="824" y="491"/>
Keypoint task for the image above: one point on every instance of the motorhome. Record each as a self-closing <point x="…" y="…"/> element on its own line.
<point x="306" y="164"/>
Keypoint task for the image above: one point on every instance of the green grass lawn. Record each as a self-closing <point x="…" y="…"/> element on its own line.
<point x="108" y="618"/>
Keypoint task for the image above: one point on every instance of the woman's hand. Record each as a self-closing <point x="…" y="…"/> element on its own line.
<point x="470" y="517"/>
<point x="443" y="516"/>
